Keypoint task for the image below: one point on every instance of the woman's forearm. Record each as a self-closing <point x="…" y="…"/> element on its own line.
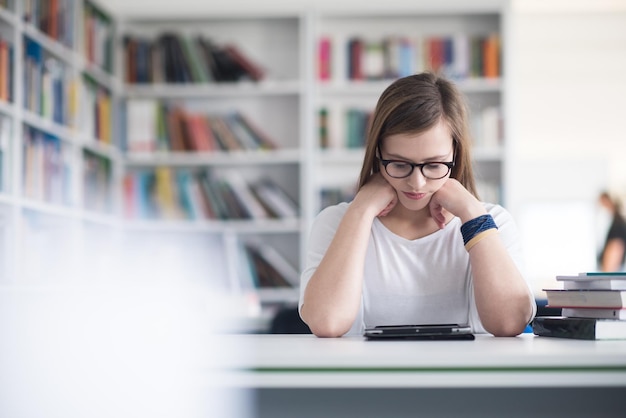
<point x="503" y="299"/>
<point x="333" y="294"/>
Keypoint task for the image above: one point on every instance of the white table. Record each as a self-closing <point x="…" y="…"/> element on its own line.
<point x="301" y="375"/>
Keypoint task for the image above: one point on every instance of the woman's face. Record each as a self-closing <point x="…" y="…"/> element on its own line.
<point x="434" y="145"/>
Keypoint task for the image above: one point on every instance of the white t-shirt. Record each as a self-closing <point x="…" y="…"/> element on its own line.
<point x="421" y="281"/>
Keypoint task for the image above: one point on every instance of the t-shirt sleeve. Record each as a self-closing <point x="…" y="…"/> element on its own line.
<point x="321" y="235"/>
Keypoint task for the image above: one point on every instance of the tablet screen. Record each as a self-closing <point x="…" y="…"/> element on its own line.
<point x="426" y="331"/>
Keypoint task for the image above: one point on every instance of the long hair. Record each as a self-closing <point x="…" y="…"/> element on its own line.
<point x="412" y="105"/>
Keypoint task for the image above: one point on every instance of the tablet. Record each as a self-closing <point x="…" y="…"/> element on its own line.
<point x="420" y="332"/>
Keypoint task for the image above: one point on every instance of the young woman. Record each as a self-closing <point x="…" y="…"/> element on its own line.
<point x="415" y="246"/>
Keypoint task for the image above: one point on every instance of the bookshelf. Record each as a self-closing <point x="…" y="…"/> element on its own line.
<point x="197" y="131"/>
<point x="136" y="176"/>
<point x="358" y="54"/>
<point x="59" y="163"/>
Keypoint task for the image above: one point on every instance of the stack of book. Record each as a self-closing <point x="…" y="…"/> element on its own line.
<point x="593" y="307"/>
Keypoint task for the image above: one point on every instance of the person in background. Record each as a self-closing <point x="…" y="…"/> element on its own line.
<point x="613" y="253"/>
<point x="415" y="245"/>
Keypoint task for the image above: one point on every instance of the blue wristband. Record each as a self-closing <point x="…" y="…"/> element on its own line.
<point x="475" y="226"/>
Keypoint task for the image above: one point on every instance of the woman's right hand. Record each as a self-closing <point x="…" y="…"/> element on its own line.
<point x="378" y="195"/>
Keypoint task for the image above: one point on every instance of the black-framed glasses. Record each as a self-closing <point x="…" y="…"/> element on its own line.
<point x="399" y="169"/>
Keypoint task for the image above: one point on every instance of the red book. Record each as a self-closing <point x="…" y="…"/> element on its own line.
<point x="436" y="57"/>
<point x="356" y="48"/>
<point x="324" y="56"/>
<point x="199" y="133"/>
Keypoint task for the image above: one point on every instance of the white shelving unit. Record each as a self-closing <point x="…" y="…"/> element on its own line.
<point x="277" y="104"/>
<point x="48" y="202"/>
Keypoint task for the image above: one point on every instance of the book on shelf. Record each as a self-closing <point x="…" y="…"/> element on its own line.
<point x="154" y="125"/>
<point x="322" y="124"/>
<point x="97" y="37"/>
<point x="276" y="200"/>
<point x="141" y="125"/>
<point x="224" y="134"/>
<point x="54" y="18"/>
<point x="6" y="70"/>
<point x="457" y="56"/>
<point x="252" y="70"/>
<point x="177" y="58"/>
<point x="586" y="298"/>
<point x="332" y="126"/>
<point x="604" y="313"/>
<point x="216" y="206"/>
<point x="263" y="139"/>
<point x="594" y="280"/>
<point x="201" y="135"/>
<point x="46" y="83"/>
<point x="324" y="57"/>
<point x="46" y="171"/>
<point x="264" y="270"/>
<point x="355" y="58"/>
<point x="491" y="56"/>
<point x="357" y="121"/>
<point x="152" y="195"/>
<point x="247" y="280"/>
<point x="279" y="263"/>
<point x="244" y="195"/>
<point x="343" y="128"/>
<point x="96" y="113"/>
<point x="176" y="130"/>
<point x="579" y="328"/>
<point x="166" y="192"/>
<point x="199" y="71"/>
<point x="373" y="61"/>
<point x="235" y="208"/>
<point x="224" y="68"/>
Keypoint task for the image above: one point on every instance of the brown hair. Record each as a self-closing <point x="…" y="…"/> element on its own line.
<point x="415" y="104"/>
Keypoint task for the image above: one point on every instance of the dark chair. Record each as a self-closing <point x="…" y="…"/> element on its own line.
<point x="287" y="321"/>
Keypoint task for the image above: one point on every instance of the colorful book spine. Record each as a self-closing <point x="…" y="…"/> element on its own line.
<point x="157" y="126"/>
<point x="457" y="56"/>
<point x="55" y="18"/>
<point x="97" y="37"/>
<point x="47" y="84"/>
<point x="168" y="193"/>
<point x="47" y="168"/>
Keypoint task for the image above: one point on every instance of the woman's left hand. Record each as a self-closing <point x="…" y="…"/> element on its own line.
<point x="452" y="197"/>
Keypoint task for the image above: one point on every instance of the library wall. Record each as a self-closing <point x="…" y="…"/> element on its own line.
<point x="570" y="86"/>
